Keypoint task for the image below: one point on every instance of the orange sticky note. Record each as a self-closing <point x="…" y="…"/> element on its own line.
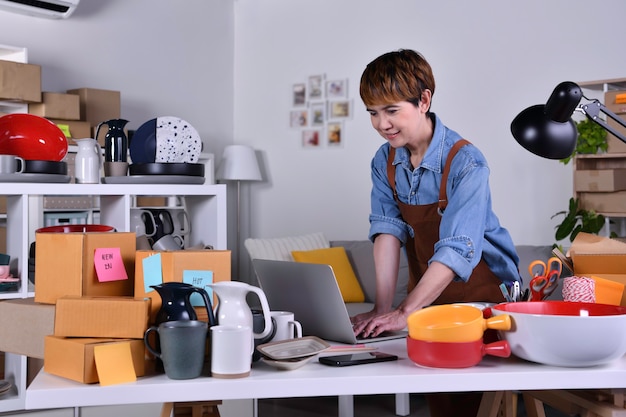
<point x="109" y="265"/>
<point x="114" y="363"/>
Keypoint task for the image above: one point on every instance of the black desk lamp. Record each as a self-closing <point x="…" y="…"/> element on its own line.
<point x="548" y="130"/>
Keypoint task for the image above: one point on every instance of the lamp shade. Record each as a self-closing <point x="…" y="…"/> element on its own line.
<point x="239" y="163"/>
<point x="548" y="130"/>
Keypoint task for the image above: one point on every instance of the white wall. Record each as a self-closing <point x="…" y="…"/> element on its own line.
<point x="491" y="59"/>
<point x="168" y="58"/>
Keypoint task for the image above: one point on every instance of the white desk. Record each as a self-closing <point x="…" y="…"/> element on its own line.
<point x="314" y="379"/>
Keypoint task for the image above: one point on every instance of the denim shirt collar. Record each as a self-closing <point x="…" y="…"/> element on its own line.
<point x="432" y="161"/>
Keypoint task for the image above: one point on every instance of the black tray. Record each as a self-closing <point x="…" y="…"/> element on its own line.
<point x="167" y="168"/>
<point x="45" y="167"/>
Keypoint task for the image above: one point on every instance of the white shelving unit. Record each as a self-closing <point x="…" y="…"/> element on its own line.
<point x="205" y="205"/>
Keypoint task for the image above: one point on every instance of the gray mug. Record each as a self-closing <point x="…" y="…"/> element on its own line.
<point x="182" y="347"/>
<point x="168" y="242"/>
<point x="11" y="164"/>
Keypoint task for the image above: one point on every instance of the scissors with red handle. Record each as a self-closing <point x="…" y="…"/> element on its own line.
<point x="544" y="277"/>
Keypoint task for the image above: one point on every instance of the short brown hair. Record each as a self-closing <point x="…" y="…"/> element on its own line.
<point x="396" y="76"/>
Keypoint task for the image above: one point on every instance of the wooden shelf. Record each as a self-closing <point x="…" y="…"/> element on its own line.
<point x="604" y="85"/>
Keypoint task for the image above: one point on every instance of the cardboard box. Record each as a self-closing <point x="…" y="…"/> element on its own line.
<point x="73" y="358"/>
<point x="74" y="128"/>
<point x="119" y="317"/>
<point x="146" y="201"/>
<point x="19" y="81"/>
<point x="600" y="180"/>
<point x="615" y="144"/>
<point x="599" y="256"/>
<point x="604" y="202"/>
<point x="173" y="265"/>
<point x="25" y="324"/>
<point x="57" y="106"/>
<point x="65" y="265"/>
<point x="98" y="105"/>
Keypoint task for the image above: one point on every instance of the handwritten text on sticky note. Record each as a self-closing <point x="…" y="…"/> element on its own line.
<point x="199" y="279"/>
<point x="109" y="265"/>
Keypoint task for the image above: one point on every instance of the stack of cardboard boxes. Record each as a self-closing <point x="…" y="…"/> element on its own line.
<point x="77" y="309"/>
<point x="79" y="111"/>
<point x="600" y="179"/>
<point x="89" y="310"/>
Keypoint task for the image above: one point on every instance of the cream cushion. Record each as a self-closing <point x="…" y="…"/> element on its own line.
<point x="279" y="249"/>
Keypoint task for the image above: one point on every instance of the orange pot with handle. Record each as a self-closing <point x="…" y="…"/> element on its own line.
<point x="453" y="323"/>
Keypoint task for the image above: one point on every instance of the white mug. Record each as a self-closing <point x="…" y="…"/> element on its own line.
<point x="286" y="326"/>
<point x="168" y="242"/>
<point x="11" y="164"/>
<point x="231" y="351"/>
<point x="182" y="225"/>
<point x="138" y="220"/>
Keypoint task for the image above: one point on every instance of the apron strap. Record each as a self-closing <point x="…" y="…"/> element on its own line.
<point x="443" y="196"/>
<point x="391" y="171"/>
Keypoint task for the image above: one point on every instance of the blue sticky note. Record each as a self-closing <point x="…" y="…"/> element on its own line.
<point x="152" y="272"/>
<point x="199" y="279"/>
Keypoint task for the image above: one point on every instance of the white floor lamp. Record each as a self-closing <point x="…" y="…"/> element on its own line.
<point x="239" y="164"/>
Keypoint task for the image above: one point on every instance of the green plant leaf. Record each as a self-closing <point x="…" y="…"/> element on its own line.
<point x="565" y="228"/>
<point x="578" y="220"/>
<point x="591" y="139"/>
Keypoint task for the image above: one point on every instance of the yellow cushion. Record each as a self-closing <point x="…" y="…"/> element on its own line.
<point x="337" y="258"/>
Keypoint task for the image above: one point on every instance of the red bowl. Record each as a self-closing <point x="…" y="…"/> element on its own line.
<point x="76" y="228"/>
<point x="561" y="308"/>
<point x="454" y="354"/>
<point x="31" y="137"/>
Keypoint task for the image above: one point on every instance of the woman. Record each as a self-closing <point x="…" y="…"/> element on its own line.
<point x="431" y="195"/>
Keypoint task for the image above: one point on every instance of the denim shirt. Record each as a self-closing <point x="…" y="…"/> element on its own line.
<point x="469" y="228"/>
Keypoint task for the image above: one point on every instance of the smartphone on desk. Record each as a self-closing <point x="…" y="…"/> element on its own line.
<point x="357" y="358"/>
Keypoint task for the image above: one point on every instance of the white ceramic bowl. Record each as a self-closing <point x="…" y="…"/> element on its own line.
<point x="563" y="333"/>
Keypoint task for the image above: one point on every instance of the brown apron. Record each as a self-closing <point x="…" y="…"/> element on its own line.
<point x="483" y="284"/>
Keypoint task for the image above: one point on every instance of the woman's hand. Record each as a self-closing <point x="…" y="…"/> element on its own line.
<point x="371" y="324"/>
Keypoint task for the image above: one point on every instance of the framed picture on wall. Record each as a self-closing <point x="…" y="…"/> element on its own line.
<point x="317" y="114"/>
<point x="340" y="109"/>
<point x="334" y="134"/>
<point x="337" y="89"/>
<point x="298" y="94"/>
<point x="316" y="87"/>
<point x="311" y="138"/>
<point x="298" y="118"/>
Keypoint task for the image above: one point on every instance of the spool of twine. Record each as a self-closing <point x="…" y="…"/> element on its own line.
<point x="581" y="289"/>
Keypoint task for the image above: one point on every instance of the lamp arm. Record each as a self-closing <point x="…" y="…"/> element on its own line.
<point x="592" y="111"/>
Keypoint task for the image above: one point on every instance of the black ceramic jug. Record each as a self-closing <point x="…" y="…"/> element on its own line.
<point x="176" y="304"/>
<point x="115" y="140"/>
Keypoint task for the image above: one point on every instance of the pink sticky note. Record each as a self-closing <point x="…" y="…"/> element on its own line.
<point x="109" y="265"/>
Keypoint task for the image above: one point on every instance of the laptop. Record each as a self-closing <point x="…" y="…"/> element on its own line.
<point x="311" y="292"/>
